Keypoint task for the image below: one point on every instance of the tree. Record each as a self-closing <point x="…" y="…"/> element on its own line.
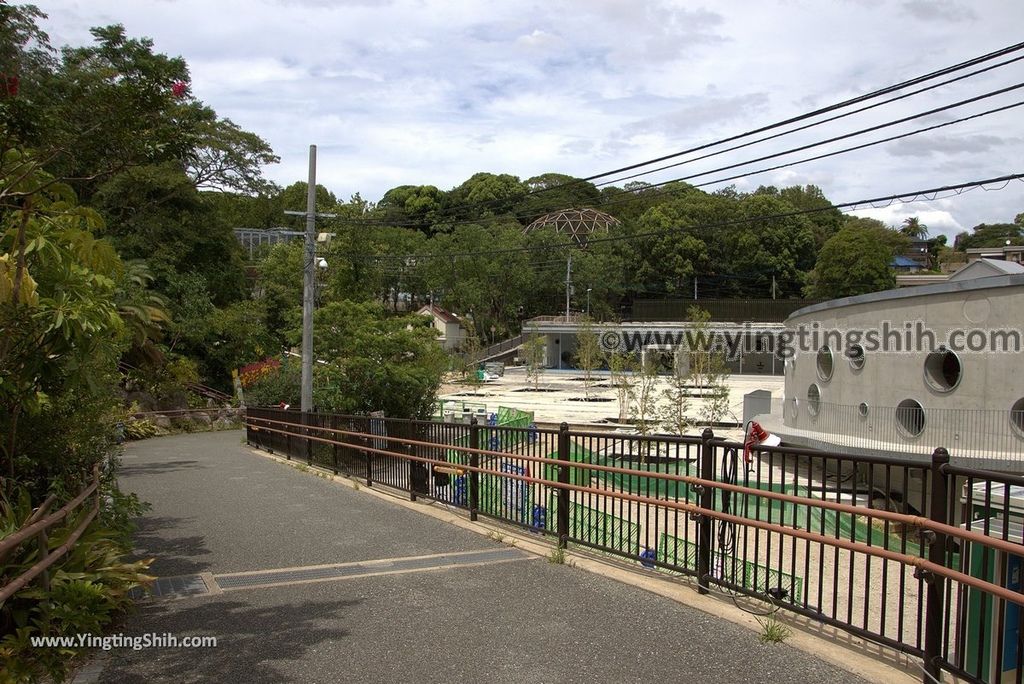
<point x="417" y="204"/>
<point x="856" y="260"/>
<point x="622" y="367"/>
<point x="675" y="409"/>
<point x="589" y="356"/>
<point x="553" y="191"/>
<point x="482" y="195"/>
<point x="534" y="353"/>
<point x="60" y="331"/>
<point x="645" y="398"/>
<point x="377" y="362"/>
<point x="913" y="228"/>
<point x="767" y="251"/>
<point x="708" y="372"/>
<point x="991" y="235"/>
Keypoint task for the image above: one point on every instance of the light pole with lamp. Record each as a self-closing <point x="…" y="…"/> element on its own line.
<point x="588" y="301"/>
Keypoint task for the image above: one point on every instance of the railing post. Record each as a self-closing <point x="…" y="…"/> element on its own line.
<point x="707" y="501"/>
<point x="563" y="479"/>
<point x="474" y="462"/>
<point x="307" y="418"/>
<point x="365" y="441"/>
<point x="287" y="436"/>
<point x="335" y="437"/>
<point x="935" y="617"/>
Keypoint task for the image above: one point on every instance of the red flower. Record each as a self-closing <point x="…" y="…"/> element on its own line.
<point x="9" y="84"/>
<point x="179" y="88"/>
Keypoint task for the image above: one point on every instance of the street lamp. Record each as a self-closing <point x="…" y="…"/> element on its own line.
<point x="588" y="301"/>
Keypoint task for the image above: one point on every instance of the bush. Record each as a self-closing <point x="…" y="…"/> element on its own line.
<point x="89" y="587"/>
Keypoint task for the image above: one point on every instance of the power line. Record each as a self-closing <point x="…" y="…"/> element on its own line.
<point x="888" y="124"/>
<point x="812" y="125"/>
<point x="796" y="119"/>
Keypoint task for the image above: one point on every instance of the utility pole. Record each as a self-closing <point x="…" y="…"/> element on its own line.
<point x="773" y="286"/>
<point x="694" y="288"/>
<point x="308" y="282"/>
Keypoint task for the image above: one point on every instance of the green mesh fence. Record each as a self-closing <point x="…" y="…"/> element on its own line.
<point x="753" y="576"/>
<point x="497" y="440"/>
<point x="577" y="476"/>
<point x="595" y="527"/>
<point x="831" y="523"/>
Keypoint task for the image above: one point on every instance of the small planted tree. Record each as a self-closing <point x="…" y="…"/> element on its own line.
<point x="622" y="367"/>
<point x="645" y="396"/>
<point x="534" y="351"/>
<point x="674" y="411"/>
<point x="709" y="373"/>
<point x="588" y="353"/>
<point x="470" y="360"/>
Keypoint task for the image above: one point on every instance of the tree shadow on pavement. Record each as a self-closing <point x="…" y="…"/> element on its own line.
<point x="130" y="469"/>
<point x="249" y="639"/>
<point x="174" y="555"/>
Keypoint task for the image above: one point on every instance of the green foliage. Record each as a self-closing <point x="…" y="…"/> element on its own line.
<point x="856" y="260"/>
<point x="384" y="363"/>
<point x="139" y="428"/>
<point x="773" y="631"/>
<point x="535" y="353"/>
<point x="589" y="356"/>
<point x="623" y="367"/>
<point x="89" y="587"/>
<point x="991" y="235"/>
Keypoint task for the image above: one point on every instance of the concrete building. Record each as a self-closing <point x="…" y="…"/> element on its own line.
<point x="937" y="380"/>
<point x="753" y="341"/>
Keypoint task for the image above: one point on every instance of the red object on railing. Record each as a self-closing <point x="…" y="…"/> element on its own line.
<point x="757" y="435"/>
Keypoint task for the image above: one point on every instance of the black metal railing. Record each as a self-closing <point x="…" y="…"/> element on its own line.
<point x="923" y="558"/>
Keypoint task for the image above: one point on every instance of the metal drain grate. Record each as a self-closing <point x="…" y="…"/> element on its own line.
<point x="249" y="580"/>
<point x="183" y="585"/>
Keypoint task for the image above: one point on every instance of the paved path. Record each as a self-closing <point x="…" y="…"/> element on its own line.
<point x="405" y="597"/>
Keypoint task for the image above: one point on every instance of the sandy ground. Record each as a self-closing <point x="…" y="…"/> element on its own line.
<point x="564" y="391"/>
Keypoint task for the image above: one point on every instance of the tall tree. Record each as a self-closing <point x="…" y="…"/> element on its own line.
<point x="856" y="260"/>
<point x="913" y="228"/>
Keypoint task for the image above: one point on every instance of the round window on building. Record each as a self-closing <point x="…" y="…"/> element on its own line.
<point x="863" y="409"/>
<point x="813" y="400"/>
<point x="942" y="370"/>
<point x="1017" y="416"/>
<point x="825" y="365"/>
<point x="910" y="417"/>
<point x="856" y="356"/>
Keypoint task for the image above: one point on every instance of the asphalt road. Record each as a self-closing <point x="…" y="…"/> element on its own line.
<point x="218" y="508"/>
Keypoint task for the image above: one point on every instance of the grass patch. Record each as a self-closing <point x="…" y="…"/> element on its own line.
<point x="773" y="631"/>
<point x="557" y="556"/>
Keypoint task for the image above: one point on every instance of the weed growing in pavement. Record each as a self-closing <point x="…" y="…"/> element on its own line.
<point x="773" y="631"/>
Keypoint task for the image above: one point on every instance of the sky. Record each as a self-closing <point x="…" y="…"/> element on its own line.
<point x="398" y="92"/>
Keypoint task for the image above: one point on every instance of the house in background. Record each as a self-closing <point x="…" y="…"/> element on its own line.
<point x="1014" y="253"/>
<point x="447" y="323"/>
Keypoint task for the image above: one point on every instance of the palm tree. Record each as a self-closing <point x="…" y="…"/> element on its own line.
<point x="914" y="229"/>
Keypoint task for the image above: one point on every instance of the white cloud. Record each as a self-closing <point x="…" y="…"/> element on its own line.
<point x="431" y="91"/>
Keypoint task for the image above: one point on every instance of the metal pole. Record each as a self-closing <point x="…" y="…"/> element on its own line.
<point x="474" y="462"/>
<point x="707" y="501"/>
<point x="935" y="616"/>
<point x="568" y="285"/>
<point x="562" y="512"/>
<point x="309" y="256"/>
